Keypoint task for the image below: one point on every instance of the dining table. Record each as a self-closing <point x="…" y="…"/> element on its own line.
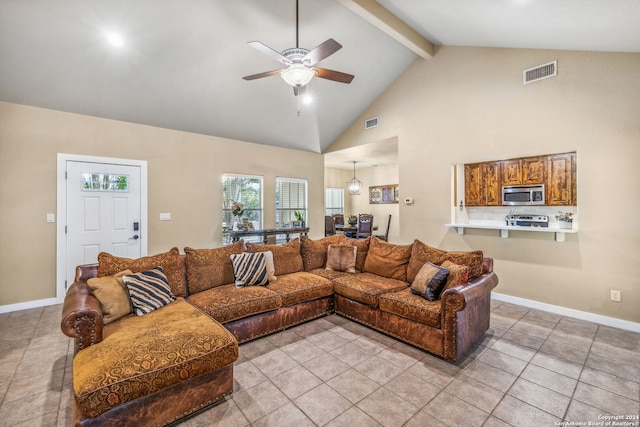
<point x="350" y="228"/>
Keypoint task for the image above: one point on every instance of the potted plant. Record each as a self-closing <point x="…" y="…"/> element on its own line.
<point x="299" y="218"/>
<point x="565" y="219"/>
<point x="237" y="209"/>
<point x="353" y="220"/>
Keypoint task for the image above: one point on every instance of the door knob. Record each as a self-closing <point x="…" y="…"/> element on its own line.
<point x="135" y="237"/>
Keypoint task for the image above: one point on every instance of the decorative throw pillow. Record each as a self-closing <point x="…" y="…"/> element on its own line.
<point x="112" y="294"/>
<point x="422" y="253"/>
<point x="430" y="281"/>
<point x="314" y="252"/>
<point x="286" y="257"/>
<point x="458" y="274"/>
<point x="208" y="268"/>
<point x="250" y="269"/>
<point x="362" y="246"/>
<point x="149" y="290"/>
<point x="169" y="261"/>
<point x="341" y="258"/>
<point x="388" y="260"/>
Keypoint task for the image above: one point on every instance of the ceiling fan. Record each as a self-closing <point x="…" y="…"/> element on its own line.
<point x="299" y="63"/>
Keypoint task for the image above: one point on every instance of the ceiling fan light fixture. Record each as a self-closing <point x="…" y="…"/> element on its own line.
<point x="354" y="185"/>
<point x="297" y="75"/>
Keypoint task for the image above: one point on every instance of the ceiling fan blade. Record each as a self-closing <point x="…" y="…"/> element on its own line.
<point x="261" y="75"/>
<point x="269" y="52"/>
<point x="299" y="91"/>
<point x="321" y="51"/>
<point x="336" y="76"/>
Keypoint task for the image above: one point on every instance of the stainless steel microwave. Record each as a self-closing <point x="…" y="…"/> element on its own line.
<point x="523" y="195"/>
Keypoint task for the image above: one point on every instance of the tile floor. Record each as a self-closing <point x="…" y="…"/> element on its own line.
<point x="532" y="369"/>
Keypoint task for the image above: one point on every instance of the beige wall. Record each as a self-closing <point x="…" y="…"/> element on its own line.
<point x="469" y="104"/>
<point x="184" y="179"/>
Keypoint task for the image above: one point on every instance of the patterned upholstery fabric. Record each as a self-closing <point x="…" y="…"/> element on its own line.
<point x="286" y="257"/>
<point x="366" y="287"/>
<point x="153" y="352"/>
<point x="314" y="252"/>
<point x="109" y="265"/>
<point x="226" y="303"/>
<point x="149" y="290"/>
<point x="207" y="268"/>
<point x="327" y="274"/>
<point x="362" y="247"/>
<point x="422" y="253"/>
<point x="302" y="286"/>
<point x="458" y="274"/>
<point x="388" y="260"/>
<point x="414" y="307"/>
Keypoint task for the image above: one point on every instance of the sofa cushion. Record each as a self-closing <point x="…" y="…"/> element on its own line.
<point x="169" y="261"/>
<point x="327" y="274"/>
<point x="341" y="258"/>
<point x="250" y="269"/>
<point x="314" y="252"/>
<point x="207" y="268"/>
<point x="170" y="345"/>
<point x="406" y="304"/>
<point x="422" y="253"/>
<point x="286" y="257"/>
<point x="226" y="303"/>
<point x="113" y="296"/>
<point x="366" y="287"/>
<point x="302" y="286"/>
<point x="149" y="290"/>
<point x="430" y="281"/>
<point x="388" y="260"/>
<point x="362" y="249"/>
<point x="458" y="274"/>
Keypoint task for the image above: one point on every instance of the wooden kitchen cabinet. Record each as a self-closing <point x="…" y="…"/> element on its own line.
<point x="523" y="171"/>
<point x="560" y="183"/>
<point x="482" y="184"/>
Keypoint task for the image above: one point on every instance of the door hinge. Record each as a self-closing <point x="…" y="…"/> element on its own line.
<point x="66" y="174"/>
<point x="65" y="229"/>
<point x="65" y="284"/>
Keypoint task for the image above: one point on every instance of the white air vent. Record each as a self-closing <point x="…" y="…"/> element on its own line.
<point x="371" y="123"/>
<point x="540" y="72"/>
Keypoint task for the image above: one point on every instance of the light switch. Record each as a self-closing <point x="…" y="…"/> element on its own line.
<point x="51" y="218"/>
<point x="166" y="216"/>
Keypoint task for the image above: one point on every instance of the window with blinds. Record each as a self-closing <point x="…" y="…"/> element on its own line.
<point x="334" y="201"/>
<point x="247" y="191"/>
<point x="291" y="196"/>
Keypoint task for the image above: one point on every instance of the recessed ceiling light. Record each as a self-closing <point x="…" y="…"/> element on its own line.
<point x="115" y="39"/>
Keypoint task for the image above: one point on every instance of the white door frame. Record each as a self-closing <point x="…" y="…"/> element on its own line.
<point x="61" y="197"/>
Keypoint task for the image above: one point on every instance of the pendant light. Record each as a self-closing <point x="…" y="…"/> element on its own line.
<point x="354" y="185"/>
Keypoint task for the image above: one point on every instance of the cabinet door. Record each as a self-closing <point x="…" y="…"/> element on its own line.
<point x="511" y="172"/>
<point x="532" y="170"/>
<point x="492" y="184"/>
<point x="559" y="183"/>
<point x="473" y="184"/>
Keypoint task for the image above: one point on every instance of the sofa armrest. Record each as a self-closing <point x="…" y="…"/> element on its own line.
<point x="466" y="313"/>
<point x="81" y="314"/>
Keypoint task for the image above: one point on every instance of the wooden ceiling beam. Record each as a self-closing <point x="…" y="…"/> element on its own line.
<point x="379" y="16"/>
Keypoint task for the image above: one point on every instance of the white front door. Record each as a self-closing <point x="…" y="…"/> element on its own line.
<point x="104" y="213"/>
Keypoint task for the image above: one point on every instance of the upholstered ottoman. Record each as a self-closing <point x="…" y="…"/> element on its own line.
<point x="154" y="369"/>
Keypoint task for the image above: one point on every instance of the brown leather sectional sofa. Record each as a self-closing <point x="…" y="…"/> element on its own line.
<point x="158" y="368"/>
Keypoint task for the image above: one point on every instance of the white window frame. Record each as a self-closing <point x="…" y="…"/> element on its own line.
<point x="285" y="215"/>
<point x="330" y="209"/>
<point x="255" y="215"/>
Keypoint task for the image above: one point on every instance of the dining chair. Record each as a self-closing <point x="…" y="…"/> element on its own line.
<point x="385" y="236"/>
<point x="365" y="226"/>
<point x="338" y="219"/>
<point x="329" y="226"/>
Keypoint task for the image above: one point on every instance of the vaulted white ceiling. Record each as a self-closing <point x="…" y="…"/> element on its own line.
<point x="181" y="62"/>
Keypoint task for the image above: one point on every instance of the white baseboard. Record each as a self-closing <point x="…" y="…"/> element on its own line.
<point x="569" y="312"/>
<point x="27" y="305"/>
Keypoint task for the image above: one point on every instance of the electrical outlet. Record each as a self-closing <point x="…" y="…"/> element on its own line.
<point x="615" y="296"/>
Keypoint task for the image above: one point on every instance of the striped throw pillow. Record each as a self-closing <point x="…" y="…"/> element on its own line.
<point x="149" y="290"/>
<point x="250" y="269"/>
